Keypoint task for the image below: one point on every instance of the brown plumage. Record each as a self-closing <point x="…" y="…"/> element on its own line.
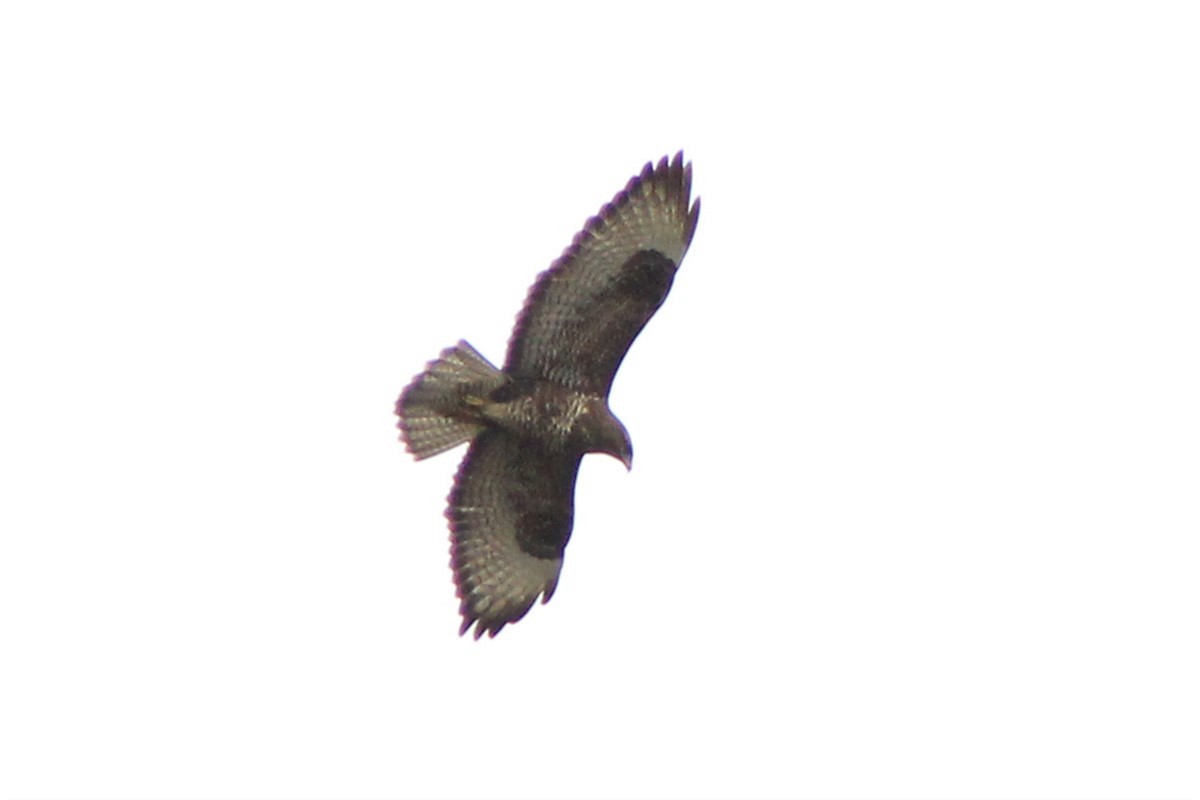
<point x="529" y="424"/>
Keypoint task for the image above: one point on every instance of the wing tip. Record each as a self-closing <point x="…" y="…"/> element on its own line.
<point x="670" y="178"/>
<point x="693" y="218"/>
<point x="487" y="613"/>
<point x="481" y="627"/>
<point x="678" y="174"/>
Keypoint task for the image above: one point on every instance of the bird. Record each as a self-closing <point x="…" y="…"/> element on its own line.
<point x="529" y="424"/>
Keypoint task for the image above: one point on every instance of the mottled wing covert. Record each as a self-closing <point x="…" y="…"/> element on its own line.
<point x="584" y="312"/>
<point x="510" y="515"/>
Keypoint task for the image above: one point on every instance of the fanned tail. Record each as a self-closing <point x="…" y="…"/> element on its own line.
<point x="441" y="408"/>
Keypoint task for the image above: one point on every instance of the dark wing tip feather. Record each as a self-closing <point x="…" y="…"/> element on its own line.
<point x="693" y="218"/>
<point x="677" y="177"/>
<point x="681" y="173"/>
<point x="481" y="627"/>
<point x="673" y="174"/>
<point x="685" y="194"/>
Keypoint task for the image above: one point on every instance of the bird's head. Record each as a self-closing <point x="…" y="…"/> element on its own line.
<point x="609" y="436"/>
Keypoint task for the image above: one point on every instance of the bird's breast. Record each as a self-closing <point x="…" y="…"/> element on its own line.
<point x="545" y="411"/>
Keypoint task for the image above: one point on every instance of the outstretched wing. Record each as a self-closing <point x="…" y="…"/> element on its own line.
<point x="584" y="312"/>
<point x="510" y="515"/>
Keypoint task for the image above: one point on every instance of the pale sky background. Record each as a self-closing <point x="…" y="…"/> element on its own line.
<point x="914" y="511"/>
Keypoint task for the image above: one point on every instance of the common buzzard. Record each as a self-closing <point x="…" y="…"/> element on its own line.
<point x="530" y="423"/>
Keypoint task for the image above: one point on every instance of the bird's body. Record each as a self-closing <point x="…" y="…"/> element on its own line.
<point x="530" y="424"/>
<point x="561" y="417"/>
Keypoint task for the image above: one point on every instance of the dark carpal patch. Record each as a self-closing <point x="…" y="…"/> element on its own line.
<point x="647" y="275"/>
<point x="543" y="496"/>
<point x="543" y="532"/>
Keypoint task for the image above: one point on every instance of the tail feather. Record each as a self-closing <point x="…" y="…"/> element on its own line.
<point x="440" y="409"/>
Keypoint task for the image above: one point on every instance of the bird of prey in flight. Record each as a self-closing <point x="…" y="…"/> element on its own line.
<point x="530" y="423"/>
